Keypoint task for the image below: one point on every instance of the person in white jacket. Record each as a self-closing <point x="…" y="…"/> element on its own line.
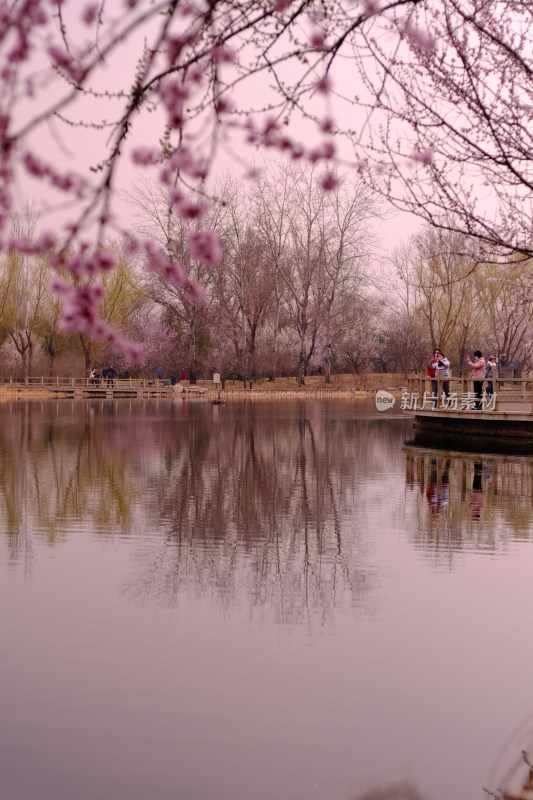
<point x="444" y="372"/>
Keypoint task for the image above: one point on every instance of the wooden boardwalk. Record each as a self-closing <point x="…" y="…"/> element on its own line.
<point x="505" y="420"/>
<point x="103" y="388"/>
<point x="513" y="395"/>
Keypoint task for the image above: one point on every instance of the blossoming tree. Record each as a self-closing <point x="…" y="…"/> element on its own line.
<point x="431" y="101"/>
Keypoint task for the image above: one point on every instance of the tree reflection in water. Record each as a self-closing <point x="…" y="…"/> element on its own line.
<point x="263" y="503"/>
<point x="255" y="500"/>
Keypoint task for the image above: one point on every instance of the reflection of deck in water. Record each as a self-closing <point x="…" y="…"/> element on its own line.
<point x="510" y="475"/>
<point x="469" y="500"/>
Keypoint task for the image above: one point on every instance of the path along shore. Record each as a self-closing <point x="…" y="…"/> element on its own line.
<point x="282" y="388"/>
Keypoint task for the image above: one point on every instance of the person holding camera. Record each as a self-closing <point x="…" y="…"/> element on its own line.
<point x="478" y="367"/>
<point x="439" y="366"/>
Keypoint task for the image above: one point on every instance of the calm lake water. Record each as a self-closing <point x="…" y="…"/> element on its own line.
<point x="277" y="601"/>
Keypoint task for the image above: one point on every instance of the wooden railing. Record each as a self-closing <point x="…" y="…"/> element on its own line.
<point x="57" y="382"/>
<point x="507" y="389"/>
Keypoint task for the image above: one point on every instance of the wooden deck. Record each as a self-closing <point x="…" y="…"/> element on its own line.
<point x="504" y="425"/>
<point x="114" y="389"/>
<point x="512" y="394"/>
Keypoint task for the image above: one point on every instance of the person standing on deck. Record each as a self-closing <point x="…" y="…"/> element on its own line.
<point x="445" y="372"/>
<point x="431" y="372"/>
<point x="489" y="375"/>
<point x="111" y="376"/>
<point x="478" y="367"/>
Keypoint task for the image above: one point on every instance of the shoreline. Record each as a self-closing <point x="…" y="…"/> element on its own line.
<point x="343" y="386"/>
<point x="7" y="395"/>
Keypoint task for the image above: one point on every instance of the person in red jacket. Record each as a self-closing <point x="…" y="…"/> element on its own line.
<point x="438" y="362"/>
<point x="478" y="367"/>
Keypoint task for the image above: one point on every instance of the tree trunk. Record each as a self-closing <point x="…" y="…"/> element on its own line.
<point x="301" y="368"/>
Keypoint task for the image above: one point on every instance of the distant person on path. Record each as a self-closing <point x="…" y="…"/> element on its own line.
<point x="478" y="367"/>
<point x="183" y="376"/>
<point x="111" y="375"/>
<point x="489" y="374"/>
<point x="159" y="373"/>
<point x="94" y="377"/>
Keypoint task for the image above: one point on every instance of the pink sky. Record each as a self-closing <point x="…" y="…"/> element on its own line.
<point x="79" y="148"/>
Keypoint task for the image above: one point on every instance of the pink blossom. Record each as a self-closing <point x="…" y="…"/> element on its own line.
<point x="189" y="209"/>
<point x="174" y="47"/>
<point x="188" y="9"/>
<point x="35" y="15"/>
<point x="131" y="245"/>
<point x="329" y="181"/>
<point x="421" y="39"/>
<point x="104" y="260"/>
<point x="34" y="165"/>
<point x="371" y="7"/>
<point x="76" y="265"/>
<point x="253" y="174"/>
<point x="145" y="156"/>
<point x="317" y="40"/>
<point x="80" y="308"/>
<point x="132" y="351"/>
<point x="64" y="61"/>
<point x="156" y="258"/>
<point x="221" y="54"/>
<point x="424" y="156"/>
<point x="281" y="5"/>
<point x="297" y="151"/>
<point x="324" y="151"/>
<point x="196" y="73"/>
<point x="21" y="244"/>
<point x="174" y="273"/>
<point x="323" y="85"/>
<point x="195" y="291"/>
<point x="90" y="14"/>
<point x="174" y="94"/>
<point x="46" y="241"/>
<point x="183" y="160"/>
<point x="60" y="286"/>
<point x="205" y="245"/>
<point x="224" y="105"/>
